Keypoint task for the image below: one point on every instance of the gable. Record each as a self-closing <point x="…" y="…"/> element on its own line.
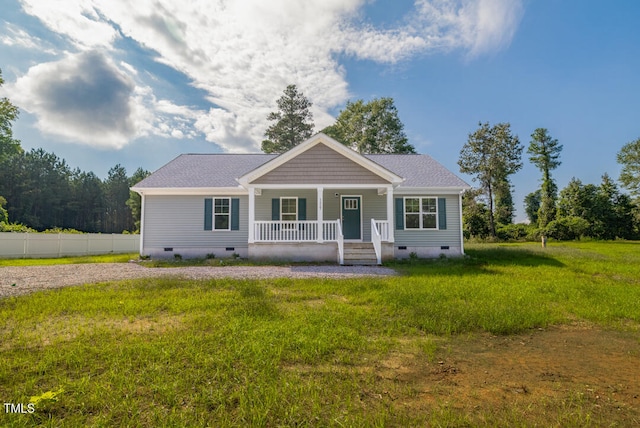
<point x="320" y="165"/>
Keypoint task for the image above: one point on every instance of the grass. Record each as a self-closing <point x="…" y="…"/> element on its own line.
<point x="106" y="258"/>
<point x="284" y="352"/>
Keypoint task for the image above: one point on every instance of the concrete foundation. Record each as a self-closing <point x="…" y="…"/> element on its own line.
<point x="193" y="253"/>
<point x="427" y="252"/>
<point x="295" y="251"/>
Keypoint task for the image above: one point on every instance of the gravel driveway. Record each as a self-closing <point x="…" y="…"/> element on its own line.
<point x="28" y="279"/>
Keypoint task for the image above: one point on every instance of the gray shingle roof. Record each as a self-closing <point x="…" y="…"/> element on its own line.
<point x="221" y="170"/>
<point x="419" y="170"/>
<point x="204" y="170"/>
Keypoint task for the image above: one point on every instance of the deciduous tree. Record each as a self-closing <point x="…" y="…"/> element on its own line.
<point x="372" y="127"/>
<point x="491" y="154"/>
<point x="9" y="146"/>
<point x="532" y="205"/>
<point x="135" y="200"/>
<point x="629" y="158"/>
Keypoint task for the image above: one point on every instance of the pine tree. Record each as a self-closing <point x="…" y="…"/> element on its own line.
<point x="544" y="152"/>
<point x="293" y="122"/>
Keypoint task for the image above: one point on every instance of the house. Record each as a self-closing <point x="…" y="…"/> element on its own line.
<point x="320" y="201"/>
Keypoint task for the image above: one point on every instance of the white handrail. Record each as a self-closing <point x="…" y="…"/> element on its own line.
<point x="340" y="240"/>
<point x="376" y="239"/>
<point x="383" y="228"/>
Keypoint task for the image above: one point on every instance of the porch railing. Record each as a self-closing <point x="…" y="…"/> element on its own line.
<point x="383" y="229"/>
<point x="376" y="239"/>
<point x="295" y="231"/>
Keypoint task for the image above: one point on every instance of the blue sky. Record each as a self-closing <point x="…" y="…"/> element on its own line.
<point x="101" y="82"/>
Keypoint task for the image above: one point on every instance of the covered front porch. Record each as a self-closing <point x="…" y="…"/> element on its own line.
<point x="315" y="222"/>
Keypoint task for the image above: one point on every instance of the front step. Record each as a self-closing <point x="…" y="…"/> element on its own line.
<point x="359" y="253"/>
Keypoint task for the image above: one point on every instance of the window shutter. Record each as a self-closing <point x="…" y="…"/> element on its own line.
<point x="235" y="214"/>
<point x="208" y="214"/>
<point x="275" y="209"/>
<point x="399" y="213"/>
<point x="302" y="209"/>
<point x="442" y="213"/>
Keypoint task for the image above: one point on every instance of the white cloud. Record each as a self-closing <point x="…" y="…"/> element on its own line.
<point x="17" y="37"/>
<point x="82" y="97"/>
<point x="85" y="98"/>
<point x="77" y="19"/>
<point x="243" y="53"/>
<point x="478" y="26"/>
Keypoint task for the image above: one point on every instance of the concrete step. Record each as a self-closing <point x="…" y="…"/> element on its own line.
<point x="360" y="263"/>
<point x="359" y="253"/>
<point x="356" y="245"/>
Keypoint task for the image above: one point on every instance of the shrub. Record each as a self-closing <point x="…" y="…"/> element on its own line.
<point x="513" y="232"/>
<point x="61" y="230"/>
<point x="15" y="227"/>
<point x="567" y="228"/>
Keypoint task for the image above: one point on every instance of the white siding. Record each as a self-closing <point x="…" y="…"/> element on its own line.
<point x="433" y="238"/>
<point x="178" y="222"/>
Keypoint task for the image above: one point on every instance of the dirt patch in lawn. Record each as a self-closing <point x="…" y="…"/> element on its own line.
<point x="572" y="373"/>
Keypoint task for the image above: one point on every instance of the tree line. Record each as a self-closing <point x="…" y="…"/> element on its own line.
<point x="39" y="191"/>
<point x="493" y="153"/>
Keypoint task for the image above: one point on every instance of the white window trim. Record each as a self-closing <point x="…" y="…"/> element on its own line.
<point x="296" y="205"/>
<point x="421" y="213"/>
<point x="213" y="220"/>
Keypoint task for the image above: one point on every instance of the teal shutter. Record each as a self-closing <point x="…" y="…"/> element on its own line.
<point x="442" y="213"/>
<point x="235" y="214"/>
<point x="302" y="209"/>
<point x="208" y="214"/>
<point x="399" y="213"/>
<point x="275" y="209"/>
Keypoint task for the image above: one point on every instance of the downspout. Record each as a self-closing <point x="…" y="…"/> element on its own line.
<point x="142" y="204"/>
<point x="461" y="228"/>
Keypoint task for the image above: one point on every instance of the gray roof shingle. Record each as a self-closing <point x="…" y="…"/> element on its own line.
<point x="204" y="170"/>
<point x="419" y="171"/>
<point x="222" y="170"/>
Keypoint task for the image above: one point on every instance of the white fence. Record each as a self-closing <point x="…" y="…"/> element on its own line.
<point x="14" y="245"/>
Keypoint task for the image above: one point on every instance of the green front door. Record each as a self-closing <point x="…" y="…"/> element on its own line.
<point x="351" y="218"/>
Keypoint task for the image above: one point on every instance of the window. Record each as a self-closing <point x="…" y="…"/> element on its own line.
<point x="351" y="204"/>
<point x="288" y="209"/>
<point x="221" y="214"/>
<point x="420" y="213"/>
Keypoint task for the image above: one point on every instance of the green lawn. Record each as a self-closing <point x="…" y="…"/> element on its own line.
<point x="106" y="258"/>
<point x="170" y="352"/>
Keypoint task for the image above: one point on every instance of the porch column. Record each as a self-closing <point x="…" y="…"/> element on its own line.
<point x="320" y="219"/>
<point x="390" y="213"/>
<point x="252" y="214"/>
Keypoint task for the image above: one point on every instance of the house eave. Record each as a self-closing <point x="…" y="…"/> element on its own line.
<point x="189" y="191"/>
<point x="430" y="190"/>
